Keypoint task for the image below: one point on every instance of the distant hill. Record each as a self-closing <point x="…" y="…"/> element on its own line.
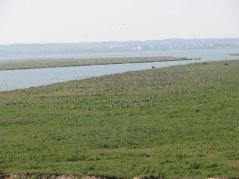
<point x="82" y="49"/>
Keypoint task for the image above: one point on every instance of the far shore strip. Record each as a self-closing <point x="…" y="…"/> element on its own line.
<point x="53" y="63"/>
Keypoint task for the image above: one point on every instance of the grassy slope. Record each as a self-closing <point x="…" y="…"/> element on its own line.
<point x="82" y="62"/>
<point x="177" y="121"/>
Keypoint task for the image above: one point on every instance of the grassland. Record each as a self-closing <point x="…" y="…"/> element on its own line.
<point x="82" y="62"/>
<point x="176" y="121"/>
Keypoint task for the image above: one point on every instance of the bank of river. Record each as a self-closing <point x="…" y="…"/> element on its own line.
<point x="52" y="63"/>
<point x="18" y="79"/>
<point x="25" y="78"/>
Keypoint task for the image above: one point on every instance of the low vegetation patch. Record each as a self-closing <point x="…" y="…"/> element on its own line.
<point x="176" y="121"/>
<point x="28" y="64"/>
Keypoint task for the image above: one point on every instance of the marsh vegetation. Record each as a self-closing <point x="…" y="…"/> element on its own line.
<point x="50" y="63"/>
<point x="176" y="121"/>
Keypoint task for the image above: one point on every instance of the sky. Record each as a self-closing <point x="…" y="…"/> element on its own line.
<point x="53" y="21"/>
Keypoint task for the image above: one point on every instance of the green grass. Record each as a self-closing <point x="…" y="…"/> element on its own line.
<point x="82" y="62"/>
<point x="177" y="121"/>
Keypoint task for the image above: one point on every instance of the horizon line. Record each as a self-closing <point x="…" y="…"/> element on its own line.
<point x="42" y="43"/>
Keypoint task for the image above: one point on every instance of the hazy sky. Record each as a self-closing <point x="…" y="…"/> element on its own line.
<point x="40" y="21"/>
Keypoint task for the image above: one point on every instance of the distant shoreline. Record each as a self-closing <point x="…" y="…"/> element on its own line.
<point x="21" y="65"/>
<point x="234" y="54"/>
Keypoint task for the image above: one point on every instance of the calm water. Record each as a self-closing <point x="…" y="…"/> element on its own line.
<point x="18" y="79"/>
<point x="211" y="54"/>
